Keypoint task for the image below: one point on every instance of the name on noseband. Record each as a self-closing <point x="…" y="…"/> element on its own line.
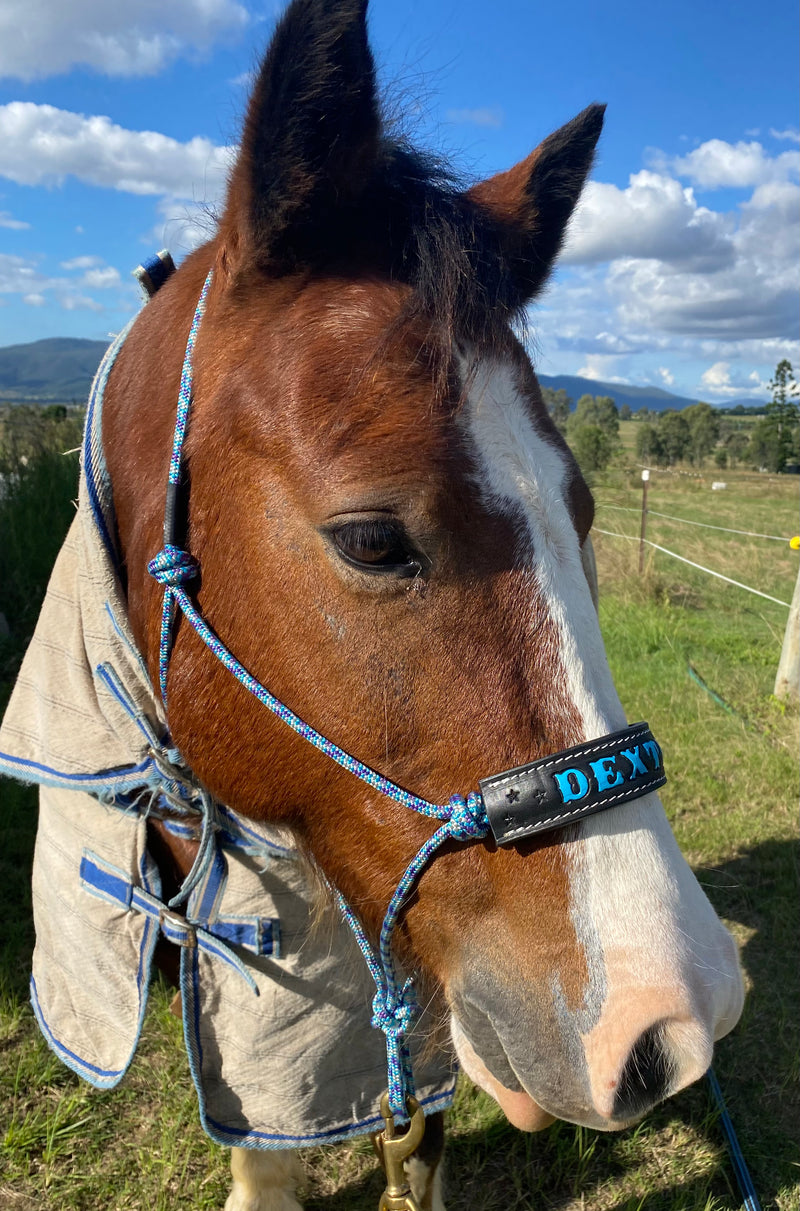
<point x="562" y="789"/>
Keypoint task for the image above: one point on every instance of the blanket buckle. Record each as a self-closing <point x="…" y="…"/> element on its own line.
<point x="176" y="928"/>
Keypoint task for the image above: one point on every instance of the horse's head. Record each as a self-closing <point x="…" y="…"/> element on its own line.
<point x="392" y="538"/>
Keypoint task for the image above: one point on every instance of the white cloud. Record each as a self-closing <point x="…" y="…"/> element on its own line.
<point x="42" y="145"/>
<point x="183" y="226"/>
<point x="101" y="279"/>
<point x="80" y="302"/>
<point x="82" y="262"/>
<point x="8" y="220"/>
<point x="725" y="383"/>
<point x="491" y="116"/>
<point x="717" y="165"/>
<point x="788" y="135"/>
<point x="655" y="217"/>
<point x="601" y="366"/>
<point x="40" y="38"/>
<point x="23" y="277"/>
<point x="19" y="276"/>
<point x="717" y="377"/>
<point x="666" y="376"/>
<point x="678" y="269"/>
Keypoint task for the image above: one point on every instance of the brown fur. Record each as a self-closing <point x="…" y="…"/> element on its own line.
<point x="350" y="275"/>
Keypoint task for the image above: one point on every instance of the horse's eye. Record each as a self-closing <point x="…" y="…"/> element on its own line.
<point x="375" y="546"/>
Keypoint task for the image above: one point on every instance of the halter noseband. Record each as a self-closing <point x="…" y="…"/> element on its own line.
<point x="539" y="797"/>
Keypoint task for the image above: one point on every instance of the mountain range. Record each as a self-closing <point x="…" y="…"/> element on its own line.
<point x="61" y="370"/>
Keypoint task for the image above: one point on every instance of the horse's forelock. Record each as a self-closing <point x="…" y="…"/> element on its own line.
<point x="320" y="187"/>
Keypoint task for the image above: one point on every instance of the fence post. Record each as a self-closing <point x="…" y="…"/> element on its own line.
<point x="645" y="480"/>
<point x="787" y="681"/>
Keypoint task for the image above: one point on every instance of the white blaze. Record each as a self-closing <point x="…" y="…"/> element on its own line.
<point x="524" y="473"/>
<point x="655" y="949"/>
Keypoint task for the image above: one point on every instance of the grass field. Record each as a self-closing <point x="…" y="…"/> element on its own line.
<point x="732" y="799"/>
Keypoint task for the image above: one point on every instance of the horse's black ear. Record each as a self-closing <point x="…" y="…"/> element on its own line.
<point x="310" y="135"/>
<point x="533" y="200"/>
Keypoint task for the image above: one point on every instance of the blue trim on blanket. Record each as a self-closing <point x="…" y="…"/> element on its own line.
<point x="126" y="639"/>
<point x="111" y="680"/>
<point x="98" y="485"/>
<point x="238" y="1137"/>
<point x="102" y="1078"/>
<point x="236" y="829"/>
<point x="235" y="1137"/>
<point x="125" y="777"/>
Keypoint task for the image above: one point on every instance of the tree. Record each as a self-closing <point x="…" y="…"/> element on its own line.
<point x="54" y="412"/>
<point x="781" y="418"/>
<point x="736" y="443"/>
<point x="764" y="450"/>
<point x="558" y="404"/>
<point x="703" y="424"/>
<point x="597" y="410"/>
<point x="591" y="446"/>
<point x="675" y="436"/>
<point x="649" y="447"/>
<point x="625" y="412"/>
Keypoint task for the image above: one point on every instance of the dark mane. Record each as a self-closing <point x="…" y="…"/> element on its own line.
<point x="440" y="243"/>
<point x="321" y="187"/>
<point x="413" y="223"/>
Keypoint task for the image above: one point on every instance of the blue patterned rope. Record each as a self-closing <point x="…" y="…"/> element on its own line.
<point x="185" y="391"/>
<point x="463" y="819"/>
<point x="394" y="1007"/>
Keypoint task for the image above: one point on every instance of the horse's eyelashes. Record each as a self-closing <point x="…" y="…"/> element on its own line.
<point x="375" y="546"/>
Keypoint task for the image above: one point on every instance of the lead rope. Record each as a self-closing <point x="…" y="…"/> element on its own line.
<point x="745" y="1181"/>
<point x="463" y="819"/>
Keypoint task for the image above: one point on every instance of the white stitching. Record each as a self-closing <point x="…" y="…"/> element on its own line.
<point x="541" y="825"/>
<point x="578" y="756"/>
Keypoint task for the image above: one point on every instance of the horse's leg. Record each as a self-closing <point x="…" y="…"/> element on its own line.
<point x="264" y="1181"/>
<point x="424" y="1168"/>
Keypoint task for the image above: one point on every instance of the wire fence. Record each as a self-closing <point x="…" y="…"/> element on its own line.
<point x="703" y="524"/>
<point x="692" y="564"/>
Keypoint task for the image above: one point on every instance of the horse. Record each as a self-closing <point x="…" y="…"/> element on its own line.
<point x="382" y="531"/>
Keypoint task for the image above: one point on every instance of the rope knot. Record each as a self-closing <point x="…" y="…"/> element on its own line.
<point x="173" y="567"/>
<point x="393" y="1014"/>
<point x="468" y="819"/>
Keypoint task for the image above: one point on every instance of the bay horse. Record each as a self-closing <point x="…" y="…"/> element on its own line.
<point x="393" y="538"/>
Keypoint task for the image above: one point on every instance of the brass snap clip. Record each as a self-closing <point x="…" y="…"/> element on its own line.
<point x="393" y="1149"/>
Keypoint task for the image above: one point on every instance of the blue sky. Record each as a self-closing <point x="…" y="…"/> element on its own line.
<point x="681" y="265"/>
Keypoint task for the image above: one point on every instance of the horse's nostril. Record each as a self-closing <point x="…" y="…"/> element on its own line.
<point x="646" y="1076"/>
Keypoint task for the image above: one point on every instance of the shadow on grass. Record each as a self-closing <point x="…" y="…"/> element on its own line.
<point x="18" y="818"/>
<point x="495" y="1168"/>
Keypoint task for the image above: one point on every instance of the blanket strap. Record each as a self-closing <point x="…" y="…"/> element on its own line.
<point x="258" y="935"/>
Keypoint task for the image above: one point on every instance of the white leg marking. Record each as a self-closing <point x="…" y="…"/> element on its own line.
<point x="264" y="1181"/>
<point x="426" y="1183"/>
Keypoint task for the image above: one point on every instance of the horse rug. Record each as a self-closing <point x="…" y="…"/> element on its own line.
<point x="276" y="1005"/>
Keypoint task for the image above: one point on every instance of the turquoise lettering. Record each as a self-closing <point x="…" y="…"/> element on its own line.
<point x="654" y="752"/>
<point x="572" y="784"/>
<point x="605" y="773"/>
<point x="633" y="755"/>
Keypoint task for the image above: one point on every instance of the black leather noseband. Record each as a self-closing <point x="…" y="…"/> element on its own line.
<point x="555" y="791"/>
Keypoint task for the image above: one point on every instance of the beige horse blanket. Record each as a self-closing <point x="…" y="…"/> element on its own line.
<point x="276" y="1010"/>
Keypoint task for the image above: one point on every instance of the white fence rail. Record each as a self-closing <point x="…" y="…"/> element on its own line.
<point x="691" y="563"/>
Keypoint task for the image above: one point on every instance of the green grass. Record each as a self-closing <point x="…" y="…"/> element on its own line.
<point x="732" y="801"/>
